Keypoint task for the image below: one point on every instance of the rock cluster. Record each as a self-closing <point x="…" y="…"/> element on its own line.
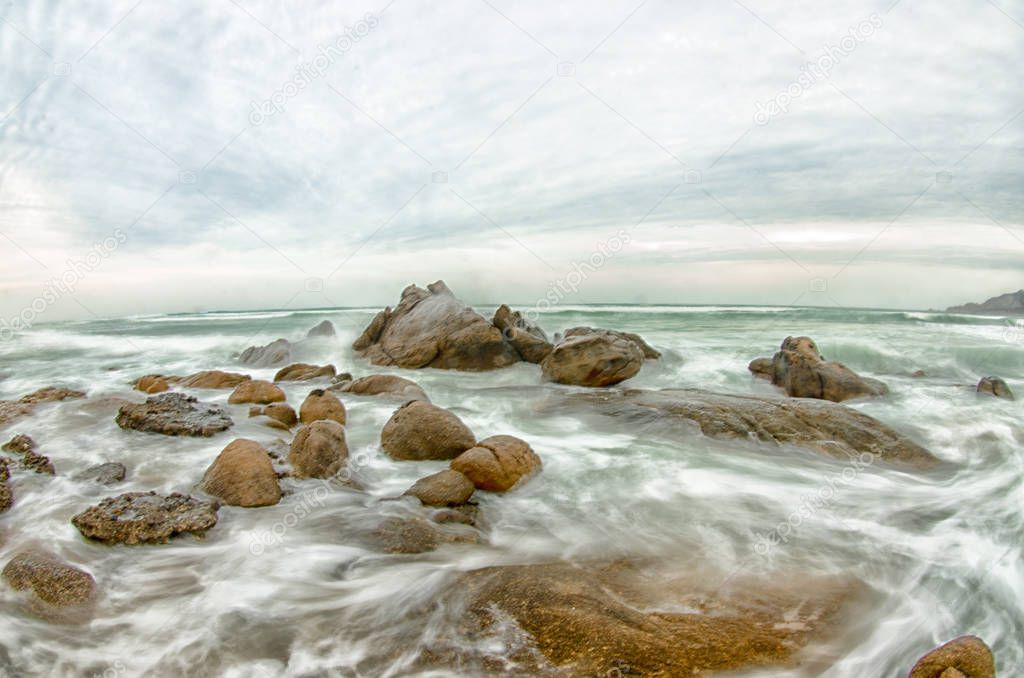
<point x="174" y="414"/>
<point x="145" y="517"/>
<point x="104" y="474"/>
<point x="528" y="339"/>
<point x="799" y="368"/>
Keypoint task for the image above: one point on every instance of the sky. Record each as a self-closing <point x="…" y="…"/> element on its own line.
<point x="233" y="154"/>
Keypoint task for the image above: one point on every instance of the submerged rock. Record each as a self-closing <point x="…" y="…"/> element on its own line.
<point x="30" y="459"/>
<point x="445" y="488"/>
<point x="14" y="409"/>
<point x="824" y="427"/>
<point x="388" y="385"/>
<point x="802" y="372"/>
<point x="432" y="328"/>
<point x="256" y="391"/>
<point x="963" y="657"/>
<point x="104" y="474"/>
<point x="145" y="517"/>
<point x="277" y="352"/>
<point x="322" y="329"/>
<point x="412" y="534"/>
<point x="174" y="414"/>
<point x="212" y="379"/>
<point x="321" y="404"/>
<point x="762" y="367"/>
<point x="529" y="340"/>
<point x="995" y="386"/>
<point x="593" y="359"/>
<point x="304" y="372"/>
<point x="418" y="430"/>
<point x="242" y="475"/>
<point x="318" y="450"/>
<point x="55" y="584"/>
<point x="498" y="463"/>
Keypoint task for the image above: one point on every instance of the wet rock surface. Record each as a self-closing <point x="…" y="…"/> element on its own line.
<point x="321" y="404"/>
<point x="387" y="385"/>
<point x="305" y="372"/>
<point x="498" y="463"/>
<point x="593" y="359"/>
<point x="174" y="414"/>
<point x="445" y="488"/>
<point x="104" y="474"/>
<point x="994" y="386"/>
<point x="53" y="583"/>
<point x="318" y="450"/>
<point x="145" y="517"/>
<point x="418" y="431"/>
<point x="966" y="657"/>
<point x="256" y="391"/>
<point x="800" y="369"/>
<point x="211" y="379"/>
<point x="6" y="495"/>
<point x="242" y="475"/>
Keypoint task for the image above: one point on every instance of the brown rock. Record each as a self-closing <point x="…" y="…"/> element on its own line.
<point x="242" y="475"/>
<point x="54" y="583"/>
<point x="213" y="379"/>
<point x="152" y="383"/>
<point x="145" y="517"/>
<point x="388" y="385"/>
<point x="762" y="367"/>
<point x="321" y="404"/>
<point x="650" y="353"/>
<point x="30" y="459"/>
<point x="318" y="450"/>
<point x="410" y="535"/>
<point x="174" y="414"/>
<point x="256" y="391"/>
<point x="281" y="412"/>
<point x="304" y="372"/>
<point x="14" y="409"/>
<point x="497" y="463"/>
<point x="278" y="352"/>
<point x="528" y="339"/>
<point x="446" y="488"/>
<point x="595" y="359"/>
<point x="800" y="369"/>
<point x="995" y="386"/>
<point x="6" y="496"/>
<point x="967" y="656"/>
<point x="19" y="444"/>
<point x="418" y="430"/>
<point x="432" y="328"/>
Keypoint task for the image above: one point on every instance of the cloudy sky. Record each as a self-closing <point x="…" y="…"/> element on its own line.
<point x="231" y="154"/>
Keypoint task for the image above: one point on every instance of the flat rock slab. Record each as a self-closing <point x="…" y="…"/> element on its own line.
<point x="174" y="414"/>
<point x="145" y="517"/>
<point x="825" y="427"/>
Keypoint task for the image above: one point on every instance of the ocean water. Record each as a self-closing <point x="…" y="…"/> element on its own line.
<point x="285" y="590"/>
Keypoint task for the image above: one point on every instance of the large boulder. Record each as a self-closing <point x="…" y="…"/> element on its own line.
<point x="55" y="585"/>
<point x="321" y="404"/>
<point x="304" y="372"/>
<point x="212" y="379"/>
<point x="242" y="475"/>
<point x="174" y="414"/>
<point x="256" y="391"/>
<point x="650" y="353"/>
<point x="824" y="427"/>
<point x="994" y="386"/>
<point x="802" y="372"/>
<point x="528" y="339"/>
<point x="963" y="657"/>
<point x="498" y="463"/>
<point x="277" y="352"/>
<point x="322" y="329"/>
<point x="445" y="488"/>
<point x="318" y="450"/>
<point x="593" y="359"/>
<point x="432" y="328"/>
<point x="145" y="517"/>
<point x="14" y="409"/>
<point x="418" y="430"/>
<point x="388" y="385"/>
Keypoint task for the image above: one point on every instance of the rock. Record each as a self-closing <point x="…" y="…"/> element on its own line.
<point x="19" y="444"/>
<point x="323" y="329"/>
<point x="213" y="379"/>
<point x="321" y="404"/>
<point x="418" y="430"/>
<point x="446" y="488"/>
<point x="304" y="372"/>
<point x="242" y="475"/>
<point x="318" y="450"/>
<point x="995" y="386"/>
<point x="256" y="391"/>
<point x="174" y="414"/>
<point x="919" y="374"/>
<point x="762" y="367"/>
<point x="824" y="427"/>
<point x="432" y="328"/>
<point x="590" y="620"/>
<point x="410" y="535"/>
<point x="25" y="446"/>
<point x="145" y="517"/>
<point x="803" y="373"/>
<point x="528" y="339"/>
<point x="281" y="412"/>
<point x="594" y="359"/>
<point x="967" y="656"/>
<point x="388" y="385"/>
<point x="15" y="409"/>
<point x="54" y="583"/>
<point x="278" y="352"/>
<point x="6" y="496"/>
<point x="104" y="474"/>
<point x="152" y="383"/>
<point x="649" y="351"/>
<point x="498" y="463"/>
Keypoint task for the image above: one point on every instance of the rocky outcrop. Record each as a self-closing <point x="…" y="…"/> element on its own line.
<point x="446" y="488"/>
<point x="418" y="430"/>
<point x="593" y="359"/>
<point x="277" y="352"/>
<point x="528" y="339"/>
<point x="55" y="585"/>
<point x="498" y="463"/>
<point x="824" y="427"/>
<point x="145" y="517"/>
<point x="256" y="391"/>
<point x="994" y="386"/>
<point x="321" y="404"/>
<point x="19" y="444"/>
<point x="322" y="329"/>
<point x="242" y="475"/>
<point x="152" y="383"/>
<point x="104" y="474"/>
<point x="963" y="657"/>
<point x="432" y="328"/>
<point x="15" y="409"/>
<point x="212" y="379"/>
<point x="318" y="450"/>
<point x="387" y="385"/>
<point x="802" y="372"/>
<point x="650" y="353"/>
<point x="304" y="372"/>
<point x="1005" y="304"/>
<point x="174" y="414"/>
